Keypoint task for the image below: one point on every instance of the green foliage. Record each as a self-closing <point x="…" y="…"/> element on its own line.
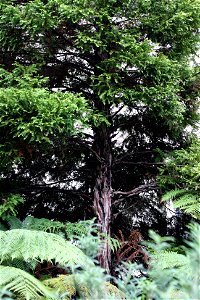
<point x="6" y="295"/>
<point x="13" y="223"/>
<point x="178" y="273"/>
<point x="70" y="230"/>
<point x="23" y="245"/>
<point x="171" y="275"/>
<point x="32" y="246"/>
<point x="188" y="202"/>
<point x="182" y="166"/>
<point x="22" y="77"/>
<point x="170" y="22"/>
<point x="170" y="27"/>
<point x="9" y="206"/>
<point x="23" y="284"/>
<point x="102" y="55"/>
<point x="114" y="244"/>
<point x="182" y="281"/>
<point x="164" y="256"/>
<point x="39" y="246"/>
<point x="31" y="114"/>
<point x="131" y="54"/>
<point x="42" y="224"/>
<point x="181" y="172"/>
<point x="35" y="114"/>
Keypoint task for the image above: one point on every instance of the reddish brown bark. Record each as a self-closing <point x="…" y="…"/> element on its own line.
<point x="102" y="192"/>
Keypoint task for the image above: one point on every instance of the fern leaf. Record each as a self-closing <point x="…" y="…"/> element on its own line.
<point x="184" y="200"/>
<point x="172" y="194"/>
<point x="168" y="259"/>
<point x="189" y="203"/>
<point x="42" y="224"/>
<point x="38" y="245"/>
<point x="187" y="200"/>
<point x="14" y="222"/>
<point x="24" y="284"/>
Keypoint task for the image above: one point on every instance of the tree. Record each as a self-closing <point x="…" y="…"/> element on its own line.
<point x="131" y="62"/>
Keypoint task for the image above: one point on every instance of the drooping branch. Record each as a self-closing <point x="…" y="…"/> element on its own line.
<point x="140" y="189"/>
<point x="140" y="163"/>
<point x="37" y="189"/>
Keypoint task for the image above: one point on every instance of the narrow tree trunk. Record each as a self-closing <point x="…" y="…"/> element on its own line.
<point x="102" y="192"/>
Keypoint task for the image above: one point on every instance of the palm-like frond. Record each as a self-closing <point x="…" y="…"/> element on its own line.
<point x="37" y="245"/>
<point x="186" y="201"/>
<point x="23" y="284"/>
<point x="171" y="195"/>
<point x="190" y="204"/>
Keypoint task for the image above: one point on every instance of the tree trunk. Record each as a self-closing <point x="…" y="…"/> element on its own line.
<point x="103" y="191"/>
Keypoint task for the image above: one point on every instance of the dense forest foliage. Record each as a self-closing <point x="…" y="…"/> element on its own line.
<point x="99" y="116"/>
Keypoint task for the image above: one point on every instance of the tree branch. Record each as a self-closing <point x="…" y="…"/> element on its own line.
<point x="140" y="189"/>
<point x="118" y="160"/>
<point x="37" y="189"/>
<point x="139" y="163"/>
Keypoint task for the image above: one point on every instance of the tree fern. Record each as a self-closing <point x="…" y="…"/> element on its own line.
<point x="68" y="229"/>
<point x="186" y="201"/>
<point x="178" y="276"/>
<point x="23" y="284"/>
<point x="37" y="245"/>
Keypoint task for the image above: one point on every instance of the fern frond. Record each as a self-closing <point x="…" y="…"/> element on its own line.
<point x="5" y="294"/>
<point x="189" y="203"/>
<point x="172" y="194"/>
<point x="41" y="246"/>
<point x="42" y="224"/>
<point x="69" y="229"/>
<point x="112" y="242"/>
<point x="24" y="284"/>
<point x="168" y="259"/>
<point x="14" y="222"/>
<point x="20" y="264"/>
<point x="11" y="222"/>
<point x="186" y="201"/>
